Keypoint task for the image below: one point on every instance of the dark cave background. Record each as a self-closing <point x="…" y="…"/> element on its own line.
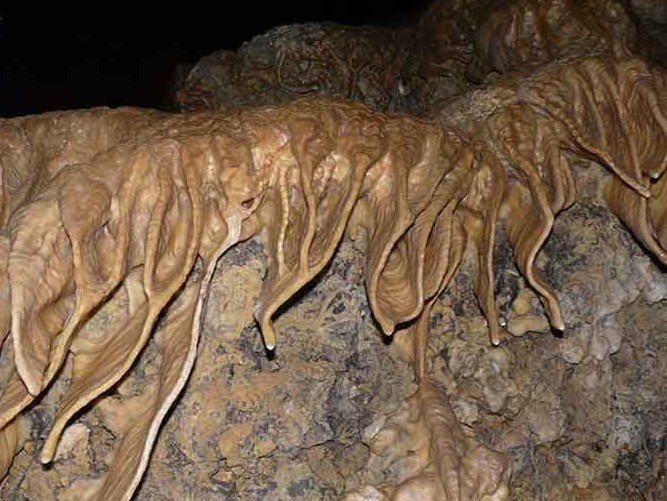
<point x="57" y="57"/>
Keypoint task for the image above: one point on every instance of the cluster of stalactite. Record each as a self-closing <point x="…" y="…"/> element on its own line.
<point x="139" y="203"/>
<point x="147" y="213"/>
<point x="103" y="204"/>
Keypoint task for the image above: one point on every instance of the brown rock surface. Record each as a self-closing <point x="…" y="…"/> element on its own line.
<point x="288" y="62"/>
<point x="652" y="17"/>
<point x="109" y="214"/>
<point x="398" y="68"/>
<point x="523" y="33"/>
<point x="423" y="64"/>
<point x="132" y="236"/>
<point x="293" y="427"/>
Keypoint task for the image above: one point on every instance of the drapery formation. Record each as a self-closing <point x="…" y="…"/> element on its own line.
<point x="144" y="204"/>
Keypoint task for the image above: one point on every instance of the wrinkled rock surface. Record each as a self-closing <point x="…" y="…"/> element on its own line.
<point x="581" y="416"/>
<point x="423" y="64"/>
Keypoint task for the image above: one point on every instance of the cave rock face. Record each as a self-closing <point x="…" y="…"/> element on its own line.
<point x="313" y="299"/>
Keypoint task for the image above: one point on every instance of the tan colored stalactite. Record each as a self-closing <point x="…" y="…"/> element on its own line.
<point x="147" y="226"/>
<point x="614" y="111"/>
<point x="320" y="173"/>
<point x="136" y="215"/>
<point x="11" y="439"/>
<point x="5" y="299"/>
<point x="445" y="464"/>
<point x="480" y="213"/>
<point x="178" y="351"/>
<point x="191" y="186"/>
<point x="407" y="253"/>
<point x="596" y="99"/>
<point x="658" y="211"/>
<point x="538" y="189"/>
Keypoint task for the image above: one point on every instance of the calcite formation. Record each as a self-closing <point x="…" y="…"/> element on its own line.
<point x="122" y="278"/>
<point x="148" y="219"/>
<point x="525" y="33"/>
<point x="402" y="68"/>
<point x="288" y="62"/>
<point x="418" y="67"/>
<point x="152" y="217"/>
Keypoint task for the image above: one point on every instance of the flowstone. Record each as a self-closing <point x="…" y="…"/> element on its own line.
<point x="123" y="214"/>
<point x="580" y="416"/>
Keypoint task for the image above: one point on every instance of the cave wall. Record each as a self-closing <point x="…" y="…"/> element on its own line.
<point x="580" y="414"/>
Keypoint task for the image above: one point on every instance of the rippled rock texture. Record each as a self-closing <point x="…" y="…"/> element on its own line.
<point x="424" y="64"/>
<point x="581" y="415"/>
<point x="493" y="221"/>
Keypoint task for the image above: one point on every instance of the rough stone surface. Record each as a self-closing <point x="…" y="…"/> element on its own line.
<point x="423" y="64"/>
<point x="344" y="62"/>
<point x="581" y="416"/>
